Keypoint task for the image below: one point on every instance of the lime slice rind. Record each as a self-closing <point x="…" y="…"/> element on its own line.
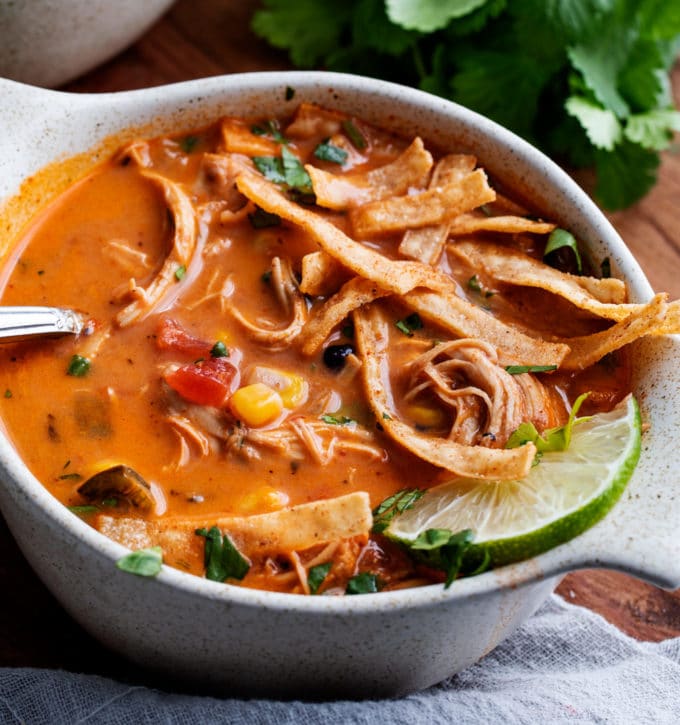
<point x="565" y="494"/>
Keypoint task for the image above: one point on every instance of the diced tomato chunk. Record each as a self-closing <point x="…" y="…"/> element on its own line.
<point x="206" y="383"/>
<point x="170" y="335"/>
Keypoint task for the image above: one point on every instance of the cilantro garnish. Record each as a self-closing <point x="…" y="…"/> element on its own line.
<point x="520" y="369"/>
<point x="285" y="169"/>
<point x="189" y="143"/>
<point x="86" y="510"/>
<point x="585" y="80"/>
<point x="260" y="219"/>
<point x="444" y="550"/>
<point x="144" y="562"/>
<point x="363" y="583"/>
<point x="328" y="152"/>
<point x="180" y="272"/>
<point x="219" y="349"/>
<point x="474" y="283"/>
<point x="8" y="393"/>
<point x="562" y="239"/>
<point x="354" y="135"/>
<point x="78" y="367"/>
<point x="553" y="439"/>
<point x="270" y="128"/>
<point x="409" y="324"/>
<point x="222" y="559"/>
<point x="316" y="576"/>
<point x="396" y="504"/>
<point x="336" y="419"/>
<point x="70" y="477"/>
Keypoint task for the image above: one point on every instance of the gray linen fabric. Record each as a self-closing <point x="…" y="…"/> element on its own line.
<point x="566" y="665"/>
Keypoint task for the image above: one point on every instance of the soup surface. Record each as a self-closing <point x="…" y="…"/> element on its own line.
<point x="288" y="322"/>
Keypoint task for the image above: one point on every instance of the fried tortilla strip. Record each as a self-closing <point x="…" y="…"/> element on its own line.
<point x="649" y="319"/>
<point x="352" y="295"/>
<point x="311" y="120"/>
<point x="477" y="462"/>
<point x="180" y="254"/>
<point x="607" y="289"/>
<point x="321" y="274"/>
<point x="511" y="266"/>
<point x="464" y="319"/>
<point x="239" y="139"/>
<point x="426" y="244"/>
<point x="290" y="529"/>
<point x="336" y="191"/>
<point x="471" y="223"/>
<point x="395" y="276"/>
<point x="426" y="208"/>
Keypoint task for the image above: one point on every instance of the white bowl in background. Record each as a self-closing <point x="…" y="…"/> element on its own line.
<point x="237" y="640"/>
<point x="49" y="42"/>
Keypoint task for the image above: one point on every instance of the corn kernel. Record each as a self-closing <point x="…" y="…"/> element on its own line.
<point x="426" y="416"/>
<point x="256" y="404"/>
<point x="292" y="388"/>
<point x="262" y="500"/>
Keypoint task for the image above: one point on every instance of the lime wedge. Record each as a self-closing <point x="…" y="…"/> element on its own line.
<point x="563" y="495"/>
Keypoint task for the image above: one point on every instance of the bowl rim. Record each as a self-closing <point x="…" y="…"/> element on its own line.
<point x="551" y="563"/>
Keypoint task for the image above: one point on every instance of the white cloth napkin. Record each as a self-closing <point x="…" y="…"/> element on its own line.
<point x="566" y="665"/>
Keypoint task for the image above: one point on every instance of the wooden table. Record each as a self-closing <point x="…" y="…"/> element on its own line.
<point x="210" y="37"/>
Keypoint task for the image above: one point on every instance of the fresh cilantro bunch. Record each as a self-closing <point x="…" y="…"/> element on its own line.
<point x="585" y="80"/>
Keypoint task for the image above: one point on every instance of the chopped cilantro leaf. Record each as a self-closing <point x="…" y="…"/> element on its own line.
<point x="86" y="510"/>
<point x="409" y="324"/>
<point x="180" y="272"/>
<point x="354" y="135"/>
<point x="396" y="504"/>
<point x="328" y="152"/>
<point x="442" y="549"/>
<point x="363" y="583"/>
<point x="189" y="143"/>
<point x="143" y="562"/>
<point x="562" y="239"/>
<point x="316" y="576"/>
<point x="285" y="169"/>
<point x="474" y="283"/>
<point x="78" y="367"/>
<point x="336" y="420"/>
<point x="520" y="369"/>
<point x="222" y="559"/>
<point x="8" y="393"/>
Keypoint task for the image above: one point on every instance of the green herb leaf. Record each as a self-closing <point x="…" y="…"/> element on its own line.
<point x="261" y="219"/>
<point x="429" y="15"/>
<point x="70" y="477"/>
<point x="654" y="129"/>
<point x="143" y="562"/>
<point x="328" y="152"/>
<point x="520" y="369"/>
<point x="363" y="583"/>
<point x="444" y="550"/>
<point x="8" y="393"/>
<point x="560" y="239"/>
<point x="86" y="510"/>
<point x="553" y="439"/>
<point x="625" y="174"/>
<point x="316" y="576"/>
<point x="219" y="349"/>
<point x="600" y="124"/>
<point x="180" y="272"/>
<point x="271" y="167"/>
<point x="294" y="172"/>
<point x="78" y="367"/>
<point x="336" y="420"/>
<point x="474" y="283"/>
<point x="222" y="559"/>
<point x="392" y="506"/>
<point x="189" y="143"/>
<point x="409" y="324"/>
<point x="354" y="135"/>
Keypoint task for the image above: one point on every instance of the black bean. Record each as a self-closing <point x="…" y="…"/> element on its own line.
<point x="334" y="356"/>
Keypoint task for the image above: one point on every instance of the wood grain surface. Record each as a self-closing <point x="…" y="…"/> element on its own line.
<point x="200" y="38"/>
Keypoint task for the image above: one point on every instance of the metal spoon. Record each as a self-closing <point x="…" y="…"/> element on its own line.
<point x="21" y="323"/>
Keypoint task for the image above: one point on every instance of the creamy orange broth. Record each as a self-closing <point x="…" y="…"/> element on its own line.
<point x="66" y="428"/>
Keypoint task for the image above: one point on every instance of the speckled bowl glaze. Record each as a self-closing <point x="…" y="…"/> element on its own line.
<point x="242" y="641"/>
<point x="49" y="42"/>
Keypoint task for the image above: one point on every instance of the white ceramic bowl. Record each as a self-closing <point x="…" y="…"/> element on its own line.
<point x="239" y="640"/>
<point x="49" y="42"/>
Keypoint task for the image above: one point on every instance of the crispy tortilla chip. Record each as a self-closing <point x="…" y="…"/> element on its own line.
<point x="649" y="319"/>
<point x="239" y="139"/>
<point x="336" y="191"/>
<point x="395" y="276"/>
<point x="426" y="244"/>
<point x="354" y="294"/>
<point x="469" y="461"/>
<point x="607" y="289"/>
<point x="180" y="254"/>
<point x="464" y="319"/>
<point x="511" y="266"/>
<point x="321" y="274"/>
<point x="470" y="223"/>
<point x="311" y="120"/>
<point x="433" y="206"/>
<point x="290" y="529"/>
<point x="508" y="206"/>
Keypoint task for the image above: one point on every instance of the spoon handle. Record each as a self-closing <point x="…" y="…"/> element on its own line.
<point x="20" y="323"/>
